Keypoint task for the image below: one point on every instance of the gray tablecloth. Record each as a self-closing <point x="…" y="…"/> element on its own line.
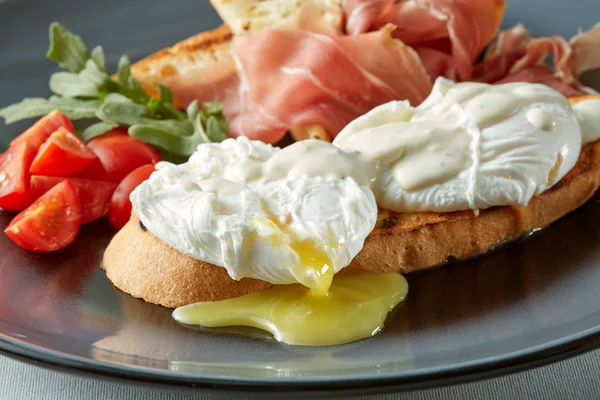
<point x="576" y="378"/>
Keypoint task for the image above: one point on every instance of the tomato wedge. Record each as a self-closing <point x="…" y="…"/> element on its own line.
<point x="94" y="195"/>
<point x="118" y="155"/>
<point x="14" y="177"/>
<point x="63" y="154"/>
<point x="37" y="134"/>
<point x="120" y="205"/>
<point x="50" y="223"/>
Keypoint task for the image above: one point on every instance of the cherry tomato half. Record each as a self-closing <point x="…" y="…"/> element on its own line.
<point x="62" y="154"/>
<point x="119" y="211"/>
<point x="118" y="155"/>
<point x="50" y="223"/>
<point x="94" y="195"/>
<point x="37" y="134"/>
<point x="14" y="177"/>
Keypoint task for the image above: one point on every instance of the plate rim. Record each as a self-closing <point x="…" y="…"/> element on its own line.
<point x="544" y="354"/>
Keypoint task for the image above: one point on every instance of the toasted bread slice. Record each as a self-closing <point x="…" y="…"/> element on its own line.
<point x="192" y="54"/>
<point x="142" y="265"/>
<point x="207" y="48"/>
<point x="139" y="263"/>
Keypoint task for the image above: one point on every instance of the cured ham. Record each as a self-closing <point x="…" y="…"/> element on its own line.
<point x="450" y="35"/>
<point x="280" y="79"/>
<point x="307" y="76"/>
<point x="324" y="80"/>
<point x="444" y="32"/>
<point x="502" y="54"/>
<point x="516" y="56"/>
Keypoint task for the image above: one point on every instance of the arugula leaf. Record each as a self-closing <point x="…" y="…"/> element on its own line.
<point x="27" y="108"/>
<point x="165" y="139"/>
<point x="93" y="73"/>
<point x="123" y="71"/>
<point x="95" y="130"/>
<point x="122" y="113"/>
<point x="128" y="85"/>
<point x="172" y="126"/>
<point x="83" y="84"/>
<point x="192" y="110"/>
<point x="67" y="49"/>
<point x="36" y="107"/>
<point x="213" y="119"/>
<point x="97" y="55"/>
<point x="214" y="131"/>
<point x="134" y="91"/>
<point x="172" y="157"/>
<point x="118" y="98"/>
<point x="72" y="85"/>
<point x="75" y="109"/>
<point x="212" y="107"/>
<point x="165" y="95"/>
<point x="198" y="128"/>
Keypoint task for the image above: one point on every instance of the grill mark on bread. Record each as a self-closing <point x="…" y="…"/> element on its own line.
<point x="202" y="41"/>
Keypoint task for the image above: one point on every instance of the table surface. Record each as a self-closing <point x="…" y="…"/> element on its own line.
<point x="575" y="378"/>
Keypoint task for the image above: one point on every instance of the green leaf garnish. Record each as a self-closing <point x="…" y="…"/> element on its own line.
<point x="95" y="130"/>
<point x="123" y="71"/>
<point x="125" y="114"/>
<point x="165" y="94"/>
<point x="86" y="91"/>
<point x="36" y="107"/>
<point x="67" y="49"/>
<point x="83" y="84"/>
<point x="97" y="55"/>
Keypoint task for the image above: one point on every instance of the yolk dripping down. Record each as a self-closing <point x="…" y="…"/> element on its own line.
<point x="320" y="311"/>
<point x="315" y="269"/>
<point x="354" y="308"/>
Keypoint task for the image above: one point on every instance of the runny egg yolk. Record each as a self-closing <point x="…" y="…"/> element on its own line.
<point x="315" y="269"/>
<point x="314" y="261"/>
<point x="355" y="307"/>
<point x="319" y="311"/>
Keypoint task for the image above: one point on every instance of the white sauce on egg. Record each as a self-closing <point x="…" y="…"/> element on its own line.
<point x="468" y="146"/>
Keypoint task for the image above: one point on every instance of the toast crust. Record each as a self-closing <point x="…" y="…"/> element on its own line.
<point x="196" y="52"/>
<point x="139" y="263"/>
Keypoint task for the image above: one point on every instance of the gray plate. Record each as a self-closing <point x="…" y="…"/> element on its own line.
<point x="525" y="304"/>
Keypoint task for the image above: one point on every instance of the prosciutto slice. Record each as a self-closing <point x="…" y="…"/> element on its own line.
<point x="448" y="34"/>
<point x="516" y="56"/>
<point x="281" y="79"/>
<point x="306" y="76"/>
